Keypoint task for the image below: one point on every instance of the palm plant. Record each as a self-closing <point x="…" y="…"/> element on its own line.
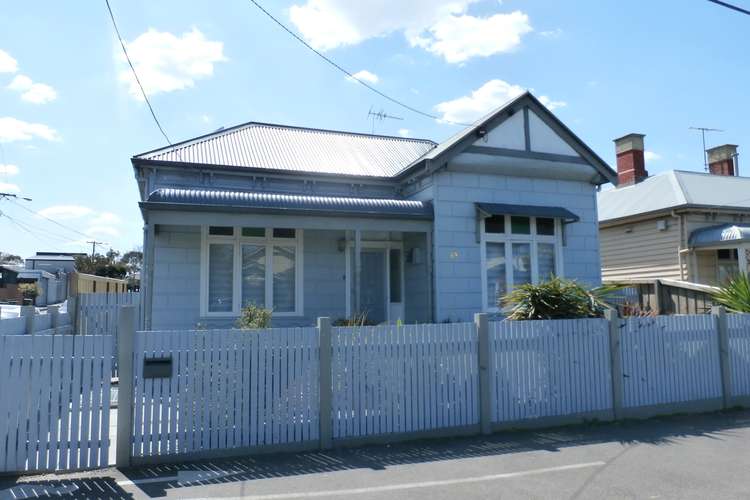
<point x="735" y="295"/>
<point x="557" y="299"/>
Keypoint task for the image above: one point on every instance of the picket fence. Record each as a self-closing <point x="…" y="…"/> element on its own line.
<point x="234" y="392"/>
<point x="98" y="313"/>
<point x="54" y="402"/>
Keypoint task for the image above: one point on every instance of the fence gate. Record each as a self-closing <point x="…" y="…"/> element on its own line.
<point x="54" y="402"/>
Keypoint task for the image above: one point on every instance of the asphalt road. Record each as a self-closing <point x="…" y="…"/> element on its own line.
<point x="701" y="457"/>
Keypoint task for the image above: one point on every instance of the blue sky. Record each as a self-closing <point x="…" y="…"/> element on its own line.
<point x="70" y="121"/>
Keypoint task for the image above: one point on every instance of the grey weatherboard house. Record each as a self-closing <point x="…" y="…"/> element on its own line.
<point x="314" y="222"/>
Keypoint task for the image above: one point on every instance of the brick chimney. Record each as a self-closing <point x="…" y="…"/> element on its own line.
<point x="631" y="167"/>
<point x="721" y="159"/>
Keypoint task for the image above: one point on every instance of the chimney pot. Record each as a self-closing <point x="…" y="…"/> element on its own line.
<point x="631" y="166"/>
<point x="721" y="159"/>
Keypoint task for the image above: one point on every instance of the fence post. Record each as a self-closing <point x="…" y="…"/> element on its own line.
<point x="28" y="312"/>
<point x="615" y="360"/>
<point x="485" y="393"/>
<point x="326" y="386"/>
<point x="54" y="316"/>
<point x="720" y="317"/>
<point x="125" y="340"/>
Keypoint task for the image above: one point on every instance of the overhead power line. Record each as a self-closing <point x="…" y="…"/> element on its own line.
<point x="349" y="74"/>
<point x="51" y="220"/>
<point x="132" y="68"/>
<point x="730" y="6"/>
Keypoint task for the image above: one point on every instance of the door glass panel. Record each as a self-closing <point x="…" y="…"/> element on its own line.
<point x="372" y="289"/>
<point x="546" y="257"/>
<point x="395" y="275"/>
<point x="254" y="275"/>
<point x="220" y="283"/>
<point x="496" y="284"/>
<point x="520" y="225"/>
<point x="521" y="263"/>
<point x="283" y="279"/>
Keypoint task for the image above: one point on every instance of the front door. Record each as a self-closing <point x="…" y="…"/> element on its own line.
<point x="372" y="292"/>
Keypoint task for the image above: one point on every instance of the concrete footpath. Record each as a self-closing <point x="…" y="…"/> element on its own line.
<point x="700" y="456"/>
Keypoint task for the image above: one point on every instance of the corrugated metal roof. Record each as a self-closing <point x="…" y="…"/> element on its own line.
<point x="716" y="235"/>
<point x="290" y="203"/>
<point x="51" y="257"/>
<point x="673" y="189"/>
<point x="297" y="149"/>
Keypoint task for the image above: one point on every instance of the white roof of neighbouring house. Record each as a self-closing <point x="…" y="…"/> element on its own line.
<point x="51" y="257"/>
<point x="675" y="189"/>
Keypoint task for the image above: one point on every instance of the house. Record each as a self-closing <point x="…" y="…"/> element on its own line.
<point x="682" y="225"/>
<point x="312" y="222"/>
<point x="53" y="262"/>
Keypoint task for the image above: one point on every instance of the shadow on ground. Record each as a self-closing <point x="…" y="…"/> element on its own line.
<point x="658" y="431"/>
<point x="84" y="487"/>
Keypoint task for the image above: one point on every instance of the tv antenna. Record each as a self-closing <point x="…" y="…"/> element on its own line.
<point x="703" y="131"/>
<point x="380" y="116"/>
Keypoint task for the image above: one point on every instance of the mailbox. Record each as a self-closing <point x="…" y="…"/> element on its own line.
<point x="157" y="367"/>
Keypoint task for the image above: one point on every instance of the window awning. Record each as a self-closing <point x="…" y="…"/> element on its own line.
<point x="286" y="203"/>
<point x="722" y="235"/>
<point x="489" y="209"/>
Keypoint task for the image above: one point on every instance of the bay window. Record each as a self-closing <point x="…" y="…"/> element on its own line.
<point x="517" y="250"/>
<point x="251" y="265"/>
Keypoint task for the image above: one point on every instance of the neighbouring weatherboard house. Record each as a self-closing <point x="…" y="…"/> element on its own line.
<point x="312" y="222"/>
<point x="681" y="225"/>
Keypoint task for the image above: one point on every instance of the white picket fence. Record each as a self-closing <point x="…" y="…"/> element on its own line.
<point x="389" y="379"/>
<point x="228" y="389"/>
<point x="98" y="313"/>
<point x="549" y="368"/>
<point x="54" y="402"/>
<point x="670" y="359"/>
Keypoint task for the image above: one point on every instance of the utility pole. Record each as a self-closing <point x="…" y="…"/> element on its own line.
<point x="703" y="131"/>
<point x="93" y="246"/>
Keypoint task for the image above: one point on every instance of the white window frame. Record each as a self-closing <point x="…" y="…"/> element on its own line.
<point x="508" y="239"/>
<point x="238" y="240"/>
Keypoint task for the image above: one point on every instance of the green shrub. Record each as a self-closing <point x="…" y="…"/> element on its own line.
<point x="557" y="299"/>
<point x="735" y="295"/>
<point x="253" y="317"/>
<point x="358" y="319"/>
<point x="29" y="290"/>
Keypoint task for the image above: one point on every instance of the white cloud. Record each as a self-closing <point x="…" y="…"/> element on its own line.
<point x="651" y="156"/>
<point x="552" y="105"/>
<point x="104" y="218"/>
<point x="555" y="33"/>
<point x="12" y="129"/>
<point x="65" y="211"/>
<point x="365" y="76"/>
<point x="9" y="169"/>
<point x="442" y="27"/>
<point x="7" y="63"/>
<point x="166" y="62"/>
<point x="459" y="38"/>
<point x="37" y="93"/>
<point x="404" y="132"/>
<point x="7" y="187"/>
<point x="483" y="100"/>
<point x="206" y="118"/>
<point x="102" y="230"/>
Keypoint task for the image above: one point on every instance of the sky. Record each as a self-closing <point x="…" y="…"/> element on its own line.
<point x="71" y="116"/>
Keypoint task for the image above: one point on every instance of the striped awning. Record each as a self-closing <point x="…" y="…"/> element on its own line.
<point x="286" y="203"/>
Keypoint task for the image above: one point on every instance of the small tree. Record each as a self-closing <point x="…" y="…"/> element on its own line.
<point x="735" y="295"/>
<point x="254" y="317"/>
<point x="9" y="258"/>
<point x="29" y="290"/>
<point x="557" y="299"/>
